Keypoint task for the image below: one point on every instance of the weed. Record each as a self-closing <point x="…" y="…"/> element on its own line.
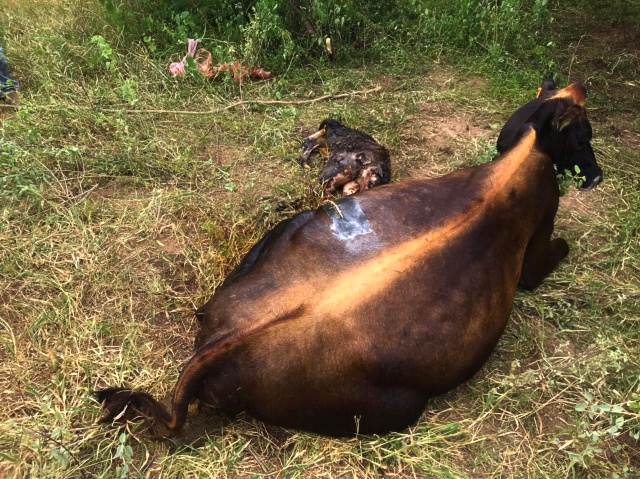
<point x="124" y="452"/>
<point x="105" y="51"/>
<point x="265" y="37"/>
<point x="568" y="178"/>
<point x="600" y="422"/>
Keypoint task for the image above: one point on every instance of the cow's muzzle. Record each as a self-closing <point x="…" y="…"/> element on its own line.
<point x="595" y="182"/>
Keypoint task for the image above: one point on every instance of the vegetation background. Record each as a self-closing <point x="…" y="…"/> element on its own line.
<point x="117" y="221"/>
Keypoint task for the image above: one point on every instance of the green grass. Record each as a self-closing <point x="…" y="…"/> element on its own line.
<point x="115" y="226"/>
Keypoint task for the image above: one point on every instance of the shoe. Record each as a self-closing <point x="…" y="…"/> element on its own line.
<point x="12" y="98"/>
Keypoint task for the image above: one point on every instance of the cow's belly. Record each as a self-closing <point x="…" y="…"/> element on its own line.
<point x="371" y="365"/>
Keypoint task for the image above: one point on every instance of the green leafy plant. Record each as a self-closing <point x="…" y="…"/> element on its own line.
<point x="183" y="27"/>
<point x="600" y="421"/>
<point x="272" y="32"/>
<point x="568" y="178"/>
<point x="488" y="151"/>
<point x="105" y="51"/>
<point x="16" y="180"/>
<point x="265" y="35"/>
<point x="128" y="91"/>
<point x="125" y="453"/>
<point x="504" y="29"/>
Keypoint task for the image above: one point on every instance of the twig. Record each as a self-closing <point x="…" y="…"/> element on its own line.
<point x="47" y="437"/>
<point x="81" y="196"/>
<point x="573" y="57"/>
<point x="253" y="102"/>
<point x="301" y="102"/>
<point x="242" y="102"/>
<point x="236" y="104"/>
<point x="335" y="207"/>
<point x="311" y="31"/>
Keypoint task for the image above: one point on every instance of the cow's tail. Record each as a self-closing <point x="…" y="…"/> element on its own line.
<point x="121" y="404"/>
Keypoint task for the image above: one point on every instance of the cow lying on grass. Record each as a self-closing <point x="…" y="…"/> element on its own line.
<point x="356" y="161"/>
<point x="348" y="318"/>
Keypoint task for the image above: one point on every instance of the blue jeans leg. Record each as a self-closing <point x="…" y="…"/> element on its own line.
<point x="7" y="84"/>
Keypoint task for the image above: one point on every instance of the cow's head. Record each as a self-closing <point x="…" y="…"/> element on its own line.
<point x="564" y="132"/>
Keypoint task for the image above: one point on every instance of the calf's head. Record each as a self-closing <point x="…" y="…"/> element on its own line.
<point x="564" y="132"/>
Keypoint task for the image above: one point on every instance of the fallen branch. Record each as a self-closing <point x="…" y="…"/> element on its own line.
<point x="231" y="106"/>
<point x="252" y="102"/>
<point x="228" y="107"/>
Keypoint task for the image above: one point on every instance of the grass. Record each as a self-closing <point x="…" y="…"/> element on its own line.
<point x="116" y="226"/>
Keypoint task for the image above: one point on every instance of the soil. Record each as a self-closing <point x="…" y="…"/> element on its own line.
<point x="439" y="126"/>
<point x="435" y="137"/>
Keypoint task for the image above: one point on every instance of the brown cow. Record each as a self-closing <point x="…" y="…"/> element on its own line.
<point x="348" y="318"/>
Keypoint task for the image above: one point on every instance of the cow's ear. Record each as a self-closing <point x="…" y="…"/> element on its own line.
<point x="564" y="118"/>
<point x="577" y="91"/>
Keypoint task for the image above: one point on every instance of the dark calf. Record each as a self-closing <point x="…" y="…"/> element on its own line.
<point x="356" y="161"/>
<point x="567" y="138"/>
<point x="348" y="318"/>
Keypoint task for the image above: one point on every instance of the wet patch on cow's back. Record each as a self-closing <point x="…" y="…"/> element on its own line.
<point x="347" y="219"/>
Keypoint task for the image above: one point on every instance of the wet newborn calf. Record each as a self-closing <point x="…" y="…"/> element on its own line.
<point x="356" y="161"/>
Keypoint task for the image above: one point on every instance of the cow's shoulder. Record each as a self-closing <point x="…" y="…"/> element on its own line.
<point x="282" y="231"/>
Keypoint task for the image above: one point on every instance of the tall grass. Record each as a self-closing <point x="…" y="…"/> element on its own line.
<point x="277" y="33"/>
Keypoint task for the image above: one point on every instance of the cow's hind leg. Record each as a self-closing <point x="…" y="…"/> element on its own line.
<point x="541" y="256"/>
<point x="393" y="410"/>
<point x="381" y="411"/>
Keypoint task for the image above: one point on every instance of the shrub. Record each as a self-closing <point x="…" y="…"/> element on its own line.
<point x="273" y="32"/>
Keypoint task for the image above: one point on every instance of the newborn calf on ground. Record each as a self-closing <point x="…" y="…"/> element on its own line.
<point x="356" y="161"/>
